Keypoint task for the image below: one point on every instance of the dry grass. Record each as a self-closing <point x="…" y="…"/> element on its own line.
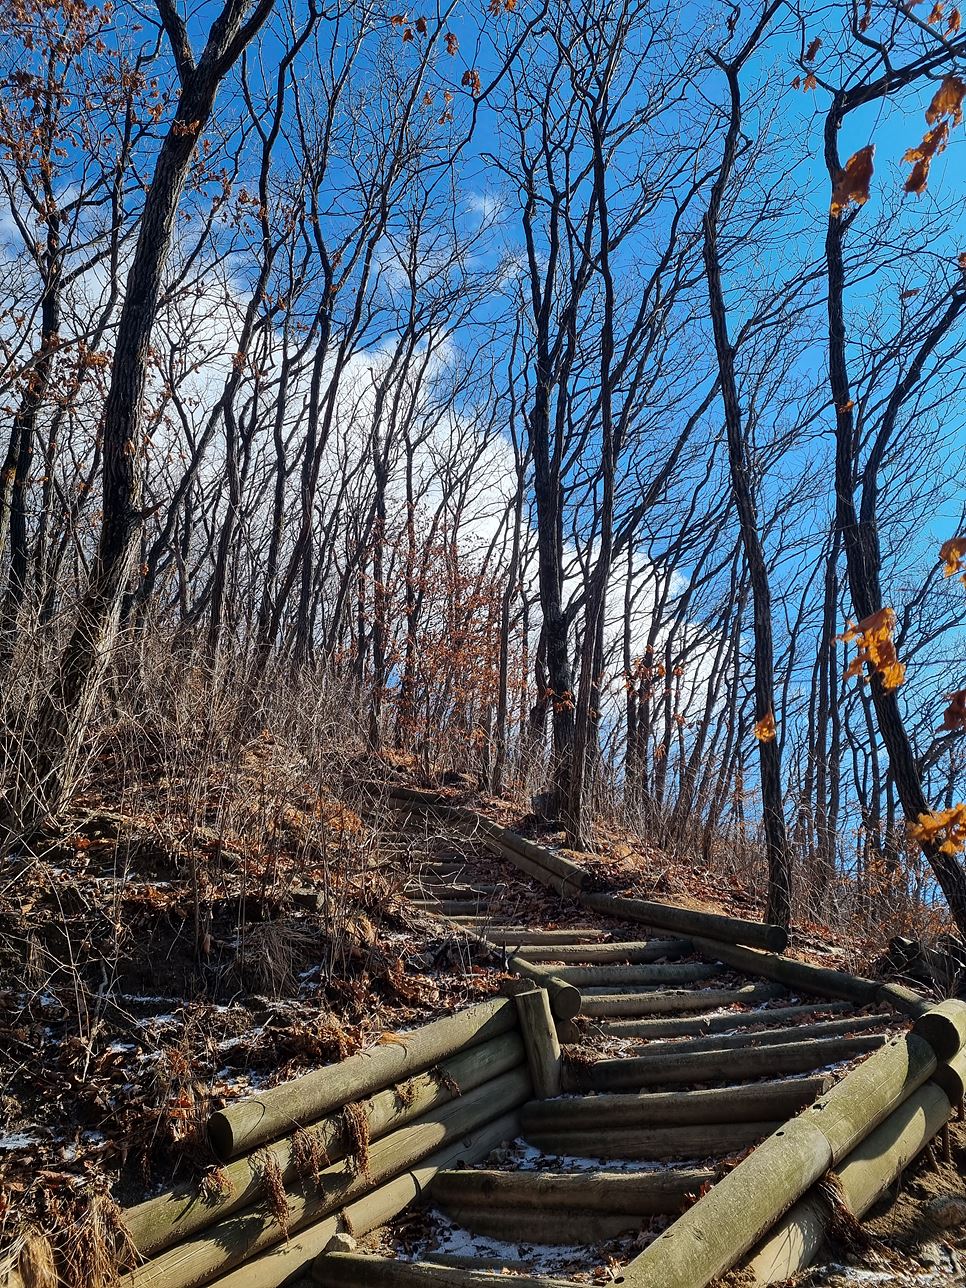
<point x="273" y="1184"/>
<point x="308" y="1154"/>
<point x="95" y="1245"/>
<point x="356" y="1122"/>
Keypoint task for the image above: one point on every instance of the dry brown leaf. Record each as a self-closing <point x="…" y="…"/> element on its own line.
<point x="765" y="730"/>
<point x="852" y="184"/>
<point x="947" y="101"/>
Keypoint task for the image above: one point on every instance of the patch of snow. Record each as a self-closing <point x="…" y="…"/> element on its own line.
<point x="14" y="1140"/>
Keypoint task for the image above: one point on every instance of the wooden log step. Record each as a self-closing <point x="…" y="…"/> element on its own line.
<point x="667" y="1002"/>
<point x="545" y="1225"/>
<point x="697" y="1140"/>
<point x="687" y="1027"/>
<point x="635" y="952"/>
<point x="752" y="1102"/>
<point x="456" y="892"/>
<point x="520" y="936"/>
<point x="448" y="907"/>
<point x="628" y="1193"/>
<point x="776" y="1037"/>
<point x="498" y="1264"/>
<point x="714" y="1066"/>
<point x="659" y="973"/>
<point x="358" y="1270"/>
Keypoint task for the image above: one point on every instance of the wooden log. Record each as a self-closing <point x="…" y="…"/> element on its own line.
<point x="242" y="1127"/>
<point x="795" y="1033"/>
<point x="863" y="1177"/>
<point x="696" y="1140"/>
<point x="541" y="1042"/>
<point x="904" y="1000"/>
<point x="701" y="1024"/>
<point x="856" y="1105"/>
<point x="568" y="1031"/>
<point x="714" y="1234"/>
<point x="508" y="1265"/>
<point x="451" y="908"/>
<point x="520" y="936"/>
<point x="630" y="1193"/>
<point x="181" y="1212"/>
<point x="665" y="1002"/>
<point x="951" y="1076"/>
<point x="661" y="973"/>
<point x="689" y="921"/>
<point x="755" y="1102"/>
<point x="565" y="998"/>
<point x="800" y="976"/>
<point x="715" y="1066"/>
<point x="357" y="1270"/>
<point x="254" y="1229"/>
<point x="632" y="951"/>
<point x="440" y="891"/>
<point x="710" y="1237"/>
<point x="544" y="1225"/>
<point x="943" y="1027"/>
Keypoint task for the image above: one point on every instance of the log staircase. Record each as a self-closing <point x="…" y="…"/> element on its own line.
<point x="654" y="1072"/>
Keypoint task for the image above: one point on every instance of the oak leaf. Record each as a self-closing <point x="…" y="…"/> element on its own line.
<point x="953" y="553"/>
<point x="765" y="730"/>
<point x="853" y="181"/>
<point x="945" y="829"/>
<point x="954" y="717"/>
<point x="875" y="648"/>
<point x="947" y="101"/>
<point x="813" y="49"/>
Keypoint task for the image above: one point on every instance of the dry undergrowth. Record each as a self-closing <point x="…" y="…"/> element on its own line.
<point x="273" y="1183"/>
<point x="356" y="1122"/>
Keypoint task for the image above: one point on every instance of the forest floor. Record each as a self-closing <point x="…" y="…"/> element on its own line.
<point x="160" y="957"/>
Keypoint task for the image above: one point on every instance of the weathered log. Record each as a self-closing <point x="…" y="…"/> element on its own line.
<point x="862" y="1178"/>
<point x="356" y="1270"/>
<point x="508" y="1265"/>
<point x="709" y="1237"/>
<point x="693" y="1141"/>
<point x="714" y="1234"/>
<point x="664" y="1002"/>
<point x="183" y="1211"/>
<point x="242" y="1127"/>
<point x="904" y="1000"/>
<point x="661" y="973"/>
<point x="546" y="1225"/>
<point x="713" y="1066"/>
<point x="252" y="1230"/>
<point x="520" y="936"/>
<point x="632" y="951"/>
<point x="629" y="1193"/>
<point x="951" y="1076"/>
<point x="689" y="921"/>
<point x="793" y="974"/>
<point x="795" y="1033"/>
<point x="565" y="1000"/>
<point x="455" y="909"/>
<point x="856" y="1105"/>
<point x="943" y="1027"/>
<point x="701" y="1024"/>
<point x="541" y="1042"/>
<point x="754" y="1102"/>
